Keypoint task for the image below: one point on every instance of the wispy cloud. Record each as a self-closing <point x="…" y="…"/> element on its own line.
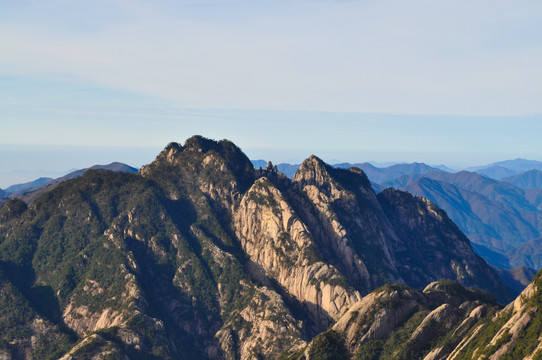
<point x="459" y="57"/>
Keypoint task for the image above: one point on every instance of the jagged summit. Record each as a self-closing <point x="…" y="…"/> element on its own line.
<point x="312" y="161"/>
<point x="218" y="168"/>
<point x="313" y="171"/>
<point x="200" y="144"/>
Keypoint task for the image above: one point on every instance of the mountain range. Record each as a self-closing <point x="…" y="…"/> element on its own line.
<point x="531" y="179"/>
<point x="498" y="206"/>
<point x="517" y="165"/>
<point x="498" y="216"/>
<point x="200" y="256"/>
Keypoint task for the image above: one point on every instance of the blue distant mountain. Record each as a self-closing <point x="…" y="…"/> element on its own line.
<point x="531" y="179"/>
<point x="259" y="164"/>
<point x="528" y="254"/>
<point x="444" y="168"/>
<point x="496" y="215"/>
<point x="496" y="172"/>
<point x="380" y="175"/>
<point x="14" y="189"/>
<point x="501" y="169"/>
<point x="38" y="186"/>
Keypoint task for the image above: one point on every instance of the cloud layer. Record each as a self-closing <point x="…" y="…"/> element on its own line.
<point x="387" y="56"/>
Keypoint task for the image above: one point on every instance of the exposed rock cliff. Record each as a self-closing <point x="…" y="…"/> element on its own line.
<point x="513" y="333"/>
<point x="398" y="322"/>
<point x="445" y="321"/>
<point x="431" y="246"/>
<point x="347" y="221"/>
<point x="274" y="237"/>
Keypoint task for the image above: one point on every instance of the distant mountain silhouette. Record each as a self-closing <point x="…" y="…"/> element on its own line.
<point x="527" y="180"/>
<point x="498" y="191"/>
<point x="516" y="165"/>
<point x="259" y="163"/>
<point x="31" y="190"/>
<point x="494" y="222"/>
<point x="443" y="168"/>
<point x="517" y="278"/>
<point x="496" y="215"/>
<point x="15" y="189"/>
<point x="529" y="254"/>
<point x="379" y="175"/>
<point x="496" y="172"/>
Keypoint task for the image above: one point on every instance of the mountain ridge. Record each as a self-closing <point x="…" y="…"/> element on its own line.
<point x="31" y="190"/>
<point x="496" y="215"/>
<point x="200" y="256"/>
<point x="445" y="321"/>
<point x="530" y="179"/>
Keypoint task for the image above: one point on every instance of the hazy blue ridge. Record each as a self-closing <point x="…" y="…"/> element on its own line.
<point x="531" y="179"/>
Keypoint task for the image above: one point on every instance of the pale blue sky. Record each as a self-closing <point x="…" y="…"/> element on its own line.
<point x="86" y="82"/>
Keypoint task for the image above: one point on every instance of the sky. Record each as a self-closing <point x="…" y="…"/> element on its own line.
<point x="443" y="82"/>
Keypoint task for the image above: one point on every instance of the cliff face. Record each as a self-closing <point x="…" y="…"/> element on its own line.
<point x="275" y="239"/>
<point x="445" y="321"/>
<point x="349" y="226"/>
<point x="200" y="256"/>
<point x="403" y="323"/>
<point x="513" y="333"/>
<point x="430" y="246"/>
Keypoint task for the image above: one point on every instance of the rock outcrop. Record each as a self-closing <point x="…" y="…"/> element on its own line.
<point x="275" y="239"/>
<point x="348" y="224"/>
<point x="398" y="322"/>
<point x="445" y="321"/>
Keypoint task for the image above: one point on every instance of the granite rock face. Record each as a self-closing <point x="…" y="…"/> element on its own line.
<point x="445" y="321"/>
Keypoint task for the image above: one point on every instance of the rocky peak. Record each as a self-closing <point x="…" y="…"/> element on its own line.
<point x="398" y="322"/>
<point x="531" y="296"/>
<point x="269" y="166"/>
<point x="313" y="171"/>
<point x="378" y="314"/>
<point x="168" y="155"/>
<point x="413" y="205"/>
<point x="272" y="173"/>
<point x="452" y="292"/>
<point x="225" y="149"/>
<point x="219" y="169"/>
<point x="347" y="222"/>
<point x="200" y="144"/>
